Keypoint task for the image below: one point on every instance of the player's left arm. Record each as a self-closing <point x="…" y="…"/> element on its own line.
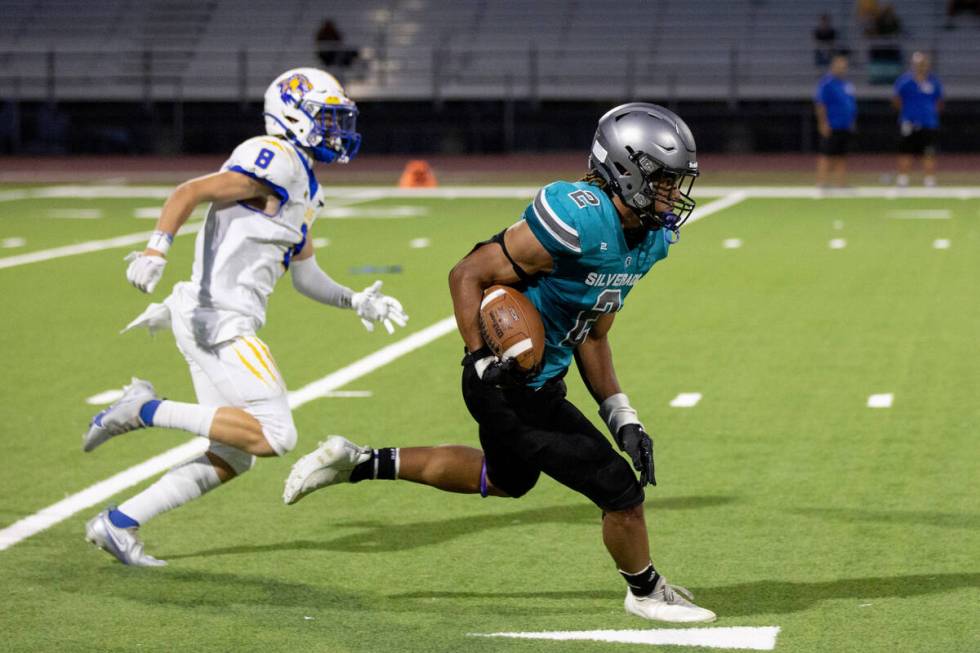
<point x="594" y="360"/>
<point x="370" y="304"/>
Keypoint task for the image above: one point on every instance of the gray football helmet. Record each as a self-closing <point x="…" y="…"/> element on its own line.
<point x="636" y="147"/>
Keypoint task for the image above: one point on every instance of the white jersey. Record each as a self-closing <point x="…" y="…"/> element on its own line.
<point x="241" y="252"/>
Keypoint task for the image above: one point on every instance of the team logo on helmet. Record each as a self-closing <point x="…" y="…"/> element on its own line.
<point x="295" y="87"/>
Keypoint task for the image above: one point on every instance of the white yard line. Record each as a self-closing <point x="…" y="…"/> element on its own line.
<point x="88" y="246"/>
<point x="728" y="201"/>
<point x="733" y="637"/>
<point x="99" y="245"/>
<point x="102" y="490"/>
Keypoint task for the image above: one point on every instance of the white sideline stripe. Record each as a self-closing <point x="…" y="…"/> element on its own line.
<point x="732" y="243"/>
<point x="881" y="401"/>
<point x="88" y="246"/>
<point x="923" y="214"/>
<point x="941" y="243"/>
<point x="837" y="243"/>
<point x="734" y="637"/>
<point x="321" y="242"/>
<point x="686" y="400"/>
<point x="102" y="490"/>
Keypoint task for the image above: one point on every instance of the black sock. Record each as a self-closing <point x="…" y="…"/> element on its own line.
<point x="642" y="583"/>
<point x="382" y="465"/>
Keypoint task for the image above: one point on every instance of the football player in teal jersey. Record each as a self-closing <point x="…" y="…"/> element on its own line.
<point x="578" y="250"/>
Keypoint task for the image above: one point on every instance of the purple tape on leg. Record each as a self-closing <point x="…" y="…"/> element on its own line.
<point x="483" y="480"/>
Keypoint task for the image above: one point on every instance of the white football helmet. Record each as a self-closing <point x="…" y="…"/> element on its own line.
<point x="310" y="108"/>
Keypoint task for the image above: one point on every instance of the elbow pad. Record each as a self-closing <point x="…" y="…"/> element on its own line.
<point x="314" y="283"/>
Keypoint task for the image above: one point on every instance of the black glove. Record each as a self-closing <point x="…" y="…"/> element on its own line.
<point x="632" y="439"/>
<point x="495" y="372"/>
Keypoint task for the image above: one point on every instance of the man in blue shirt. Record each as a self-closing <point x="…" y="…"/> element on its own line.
<point x="919" y="100"/>
<point x="576" y="253"/>
<point x="836" y="111"/>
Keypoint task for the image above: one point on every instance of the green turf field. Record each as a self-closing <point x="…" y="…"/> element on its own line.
<point x="784" y="500"/>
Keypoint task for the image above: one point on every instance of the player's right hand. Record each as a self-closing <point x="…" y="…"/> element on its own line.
<point x="145" y="270"/>
<point x="493" y="371"/>
<point x="632" y="439"/>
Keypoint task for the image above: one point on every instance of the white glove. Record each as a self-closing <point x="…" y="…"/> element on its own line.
<point x="144" y="272"/>
<point x="371" y="306"/>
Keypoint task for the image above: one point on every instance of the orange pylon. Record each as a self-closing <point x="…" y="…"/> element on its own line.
<point x="417" y="174"/>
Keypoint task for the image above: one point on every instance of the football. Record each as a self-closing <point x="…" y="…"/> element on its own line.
<point x="512" y="327"/>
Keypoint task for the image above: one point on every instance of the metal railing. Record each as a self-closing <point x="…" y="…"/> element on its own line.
<point x="726" y="71"/>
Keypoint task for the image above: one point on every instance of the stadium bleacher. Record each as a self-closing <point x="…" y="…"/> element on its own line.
<point x="415" y="49"/>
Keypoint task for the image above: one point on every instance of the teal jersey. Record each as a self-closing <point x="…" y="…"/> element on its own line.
<point x="594" y="269"/>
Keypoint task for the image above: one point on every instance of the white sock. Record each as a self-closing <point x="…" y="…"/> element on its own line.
<point x="902" y="180"/>
<point x="190" y="417"/>
<point x="175" y="488"/>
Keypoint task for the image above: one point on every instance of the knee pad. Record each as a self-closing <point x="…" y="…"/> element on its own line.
<point x="240" y="461"/>
<point x="516" y="483"/>
<point x="615" y="487"/>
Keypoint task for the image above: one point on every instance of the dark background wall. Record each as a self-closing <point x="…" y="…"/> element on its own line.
<point x="471" y="127"/>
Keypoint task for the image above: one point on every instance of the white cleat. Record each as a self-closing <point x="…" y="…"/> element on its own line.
<point x="122" y="543"/>
<point x="122" y="416"/>
<point x="667" y="603"/>
<point x="330" y="463"/>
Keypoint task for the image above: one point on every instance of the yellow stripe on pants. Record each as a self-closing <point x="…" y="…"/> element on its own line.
<point x="251" y="368"/>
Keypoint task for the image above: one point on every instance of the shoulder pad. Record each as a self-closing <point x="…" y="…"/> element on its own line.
<point x="554" y="216"/>
<point x="271" y="161"/>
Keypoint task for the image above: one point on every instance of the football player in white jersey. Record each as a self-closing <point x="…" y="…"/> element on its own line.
<point x="263" y="202"/>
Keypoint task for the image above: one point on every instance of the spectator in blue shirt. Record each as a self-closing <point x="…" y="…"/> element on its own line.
<point x="919" y="100"/>
<point x="836" y="111"/>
